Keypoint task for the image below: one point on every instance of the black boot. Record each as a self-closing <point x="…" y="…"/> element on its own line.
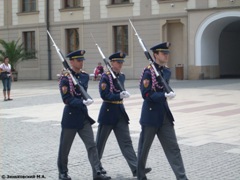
<point x="103" y="171"/>
<point x="147" y="170"/>
<point x="101" y="176"/>
<point x="64" y="176"/>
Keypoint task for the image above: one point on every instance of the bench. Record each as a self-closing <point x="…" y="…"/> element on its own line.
<point x="92" y="76"/>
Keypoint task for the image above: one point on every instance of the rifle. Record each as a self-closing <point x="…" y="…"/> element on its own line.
<point x="148" y="56"/>
<point x="109" y="66"/>
<point x="68" y="69"/>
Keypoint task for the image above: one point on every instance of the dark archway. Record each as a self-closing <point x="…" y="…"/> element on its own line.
<point x="209" y="43"/>
<point x="229" y="51"/>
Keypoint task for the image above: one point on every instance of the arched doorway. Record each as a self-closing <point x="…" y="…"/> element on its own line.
<point x="229" y="51"/>
<point x="211" y="40"/>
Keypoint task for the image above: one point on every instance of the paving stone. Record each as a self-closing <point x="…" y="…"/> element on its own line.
<point x="209" y="142"/>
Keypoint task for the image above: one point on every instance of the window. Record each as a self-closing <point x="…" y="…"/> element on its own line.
<point x="120" y="1"/>
<point x="29" y="43"/>
<point x="72" y="40"/>
<point x="169" y="1"/>
<point x="28" y="5"/>
<point x="120" y="38"/>
<point x="72" y="3"/>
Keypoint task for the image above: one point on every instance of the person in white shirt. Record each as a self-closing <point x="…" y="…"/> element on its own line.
<point x="6" y="76"/>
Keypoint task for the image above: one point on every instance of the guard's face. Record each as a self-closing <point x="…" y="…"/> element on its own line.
<point x="116" y="66"/>
<point x="76" y="64"/>
<point x="161" y="58"/>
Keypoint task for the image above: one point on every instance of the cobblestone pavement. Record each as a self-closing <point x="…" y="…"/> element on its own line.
<point x="207" y="124"/>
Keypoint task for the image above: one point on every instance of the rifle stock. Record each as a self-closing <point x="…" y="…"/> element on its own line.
<point x="109" y="66"/>
<point x="67" y="68"/>
<point x="167" y="88"/>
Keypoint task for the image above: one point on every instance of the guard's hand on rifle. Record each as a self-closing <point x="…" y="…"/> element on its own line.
<point x="87" y="102"/>
<point x="124" y="94"/>
<point x="170" y="95"/>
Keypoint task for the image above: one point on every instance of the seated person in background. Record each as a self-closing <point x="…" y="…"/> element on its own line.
<point x="98" y="70"/>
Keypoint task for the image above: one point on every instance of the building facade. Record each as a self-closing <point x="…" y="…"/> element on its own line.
<point x="205" y="35"/>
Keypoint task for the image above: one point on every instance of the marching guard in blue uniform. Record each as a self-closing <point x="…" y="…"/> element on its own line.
<point x="156" y="117"/>
<point x="75" y="119"/>
<point x="112" y="116"/>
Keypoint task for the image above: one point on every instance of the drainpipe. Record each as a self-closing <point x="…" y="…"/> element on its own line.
<point x="48" y="43"/>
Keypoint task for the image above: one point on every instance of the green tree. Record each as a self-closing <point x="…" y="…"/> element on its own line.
<point x="15" y="52"/>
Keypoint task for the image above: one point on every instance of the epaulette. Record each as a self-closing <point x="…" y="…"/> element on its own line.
<point x="65" y="72"/>
<point x="84" y="72"/>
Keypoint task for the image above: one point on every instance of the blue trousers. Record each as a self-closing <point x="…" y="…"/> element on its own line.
<point x="7" y="84"/>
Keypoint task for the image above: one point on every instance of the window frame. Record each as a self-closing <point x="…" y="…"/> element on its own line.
<point x="76" y="44"/>
<point x="31" y="7"/>
<point x="64" y="4"/>
<point x="123" y="39"/>
<point x="112" y="2"/>
<point x="170" y="1"/>
<point x="32" y="47"/>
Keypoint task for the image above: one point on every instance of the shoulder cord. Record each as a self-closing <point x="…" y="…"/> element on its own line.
<point x="112" y="87"/>
<point x="72" y="88"/>
<point x="154" y="80"/>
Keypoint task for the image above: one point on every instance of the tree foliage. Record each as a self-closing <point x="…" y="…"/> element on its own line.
<point x="15" y="52"/>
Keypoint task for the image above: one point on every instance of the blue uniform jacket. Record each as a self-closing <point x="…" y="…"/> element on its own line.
<point x="155" y="104"/>
<point x="75" y="112"/>
<point x="112" y="108"/>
